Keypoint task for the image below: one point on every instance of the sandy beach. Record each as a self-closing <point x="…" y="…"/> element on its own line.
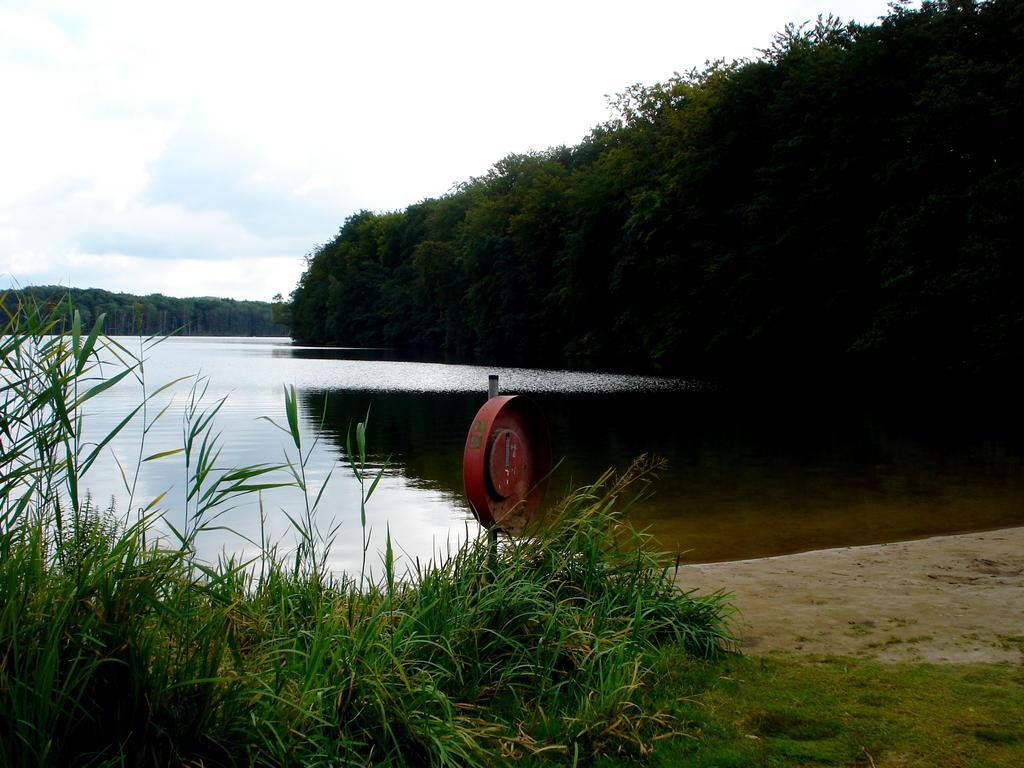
<point x="945" y="599"/>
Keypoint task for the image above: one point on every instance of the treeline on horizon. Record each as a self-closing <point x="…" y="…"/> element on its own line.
<point x="853" y="199"/>
<point x="155" y="314"/>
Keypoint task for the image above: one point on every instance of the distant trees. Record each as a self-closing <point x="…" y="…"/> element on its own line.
<point x="854" y="197"/>
<point x="280" y="312"/>
<point x="158" y="314"/>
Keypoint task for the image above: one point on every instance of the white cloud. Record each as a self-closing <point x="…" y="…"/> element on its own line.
<point x="244" y="277"/>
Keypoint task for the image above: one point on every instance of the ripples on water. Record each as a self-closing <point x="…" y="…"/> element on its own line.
<point x="747" y="475"/>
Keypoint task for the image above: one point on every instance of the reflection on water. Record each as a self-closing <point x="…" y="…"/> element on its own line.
<point x="747" y="475"/>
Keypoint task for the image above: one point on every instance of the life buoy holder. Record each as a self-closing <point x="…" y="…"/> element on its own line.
<point x="506" y="462"/>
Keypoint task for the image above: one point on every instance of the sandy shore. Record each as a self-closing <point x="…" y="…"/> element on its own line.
<point x="945" y="599"/>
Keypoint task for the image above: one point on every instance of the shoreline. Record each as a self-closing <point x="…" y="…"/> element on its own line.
<point x="947" y="599"/>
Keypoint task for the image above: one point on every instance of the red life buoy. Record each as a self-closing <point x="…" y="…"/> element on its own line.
<point x="506" y="462"/>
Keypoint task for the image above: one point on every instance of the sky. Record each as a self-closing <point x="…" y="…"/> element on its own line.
<point x="204" y="148"/>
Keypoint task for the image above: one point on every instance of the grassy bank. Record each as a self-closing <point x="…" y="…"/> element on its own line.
<point x="119" y="647"/>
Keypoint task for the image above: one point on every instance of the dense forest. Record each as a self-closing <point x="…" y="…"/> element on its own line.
<point x="851" y="200"/>
<point x="127" y="314"/>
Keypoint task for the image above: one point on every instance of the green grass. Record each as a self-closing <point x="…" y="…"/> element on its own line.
<point x="119" y="647"/>
<point x="819" y="711"/>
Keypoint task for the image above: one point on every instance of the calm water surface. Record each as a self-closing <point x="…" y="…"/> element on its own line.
<point x="747" y="475"/>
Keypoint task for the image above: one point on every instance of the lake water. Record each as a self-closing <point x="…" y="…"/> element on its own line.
<point x="748" y="475"/>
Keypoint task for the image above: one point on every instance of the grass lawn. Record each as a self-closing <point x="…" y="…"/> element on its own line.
<point x="786" y="710"/>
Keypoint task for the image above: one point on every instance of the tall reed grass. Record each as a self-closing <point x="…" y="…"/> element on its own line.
<point x="120" y="647"/>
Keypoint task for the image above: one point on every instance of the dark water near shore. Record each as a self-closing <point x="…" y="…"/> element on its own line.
<point x="759" y="473"/>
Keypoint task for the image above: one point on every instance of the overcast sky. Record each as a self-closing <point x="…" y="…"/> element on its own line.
<point x="202" y="148"/>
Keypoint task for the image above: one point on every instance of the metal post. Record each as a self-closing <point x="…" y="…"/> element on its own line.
<point x="492" y="533"/>
<point x="492" y="554"/>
